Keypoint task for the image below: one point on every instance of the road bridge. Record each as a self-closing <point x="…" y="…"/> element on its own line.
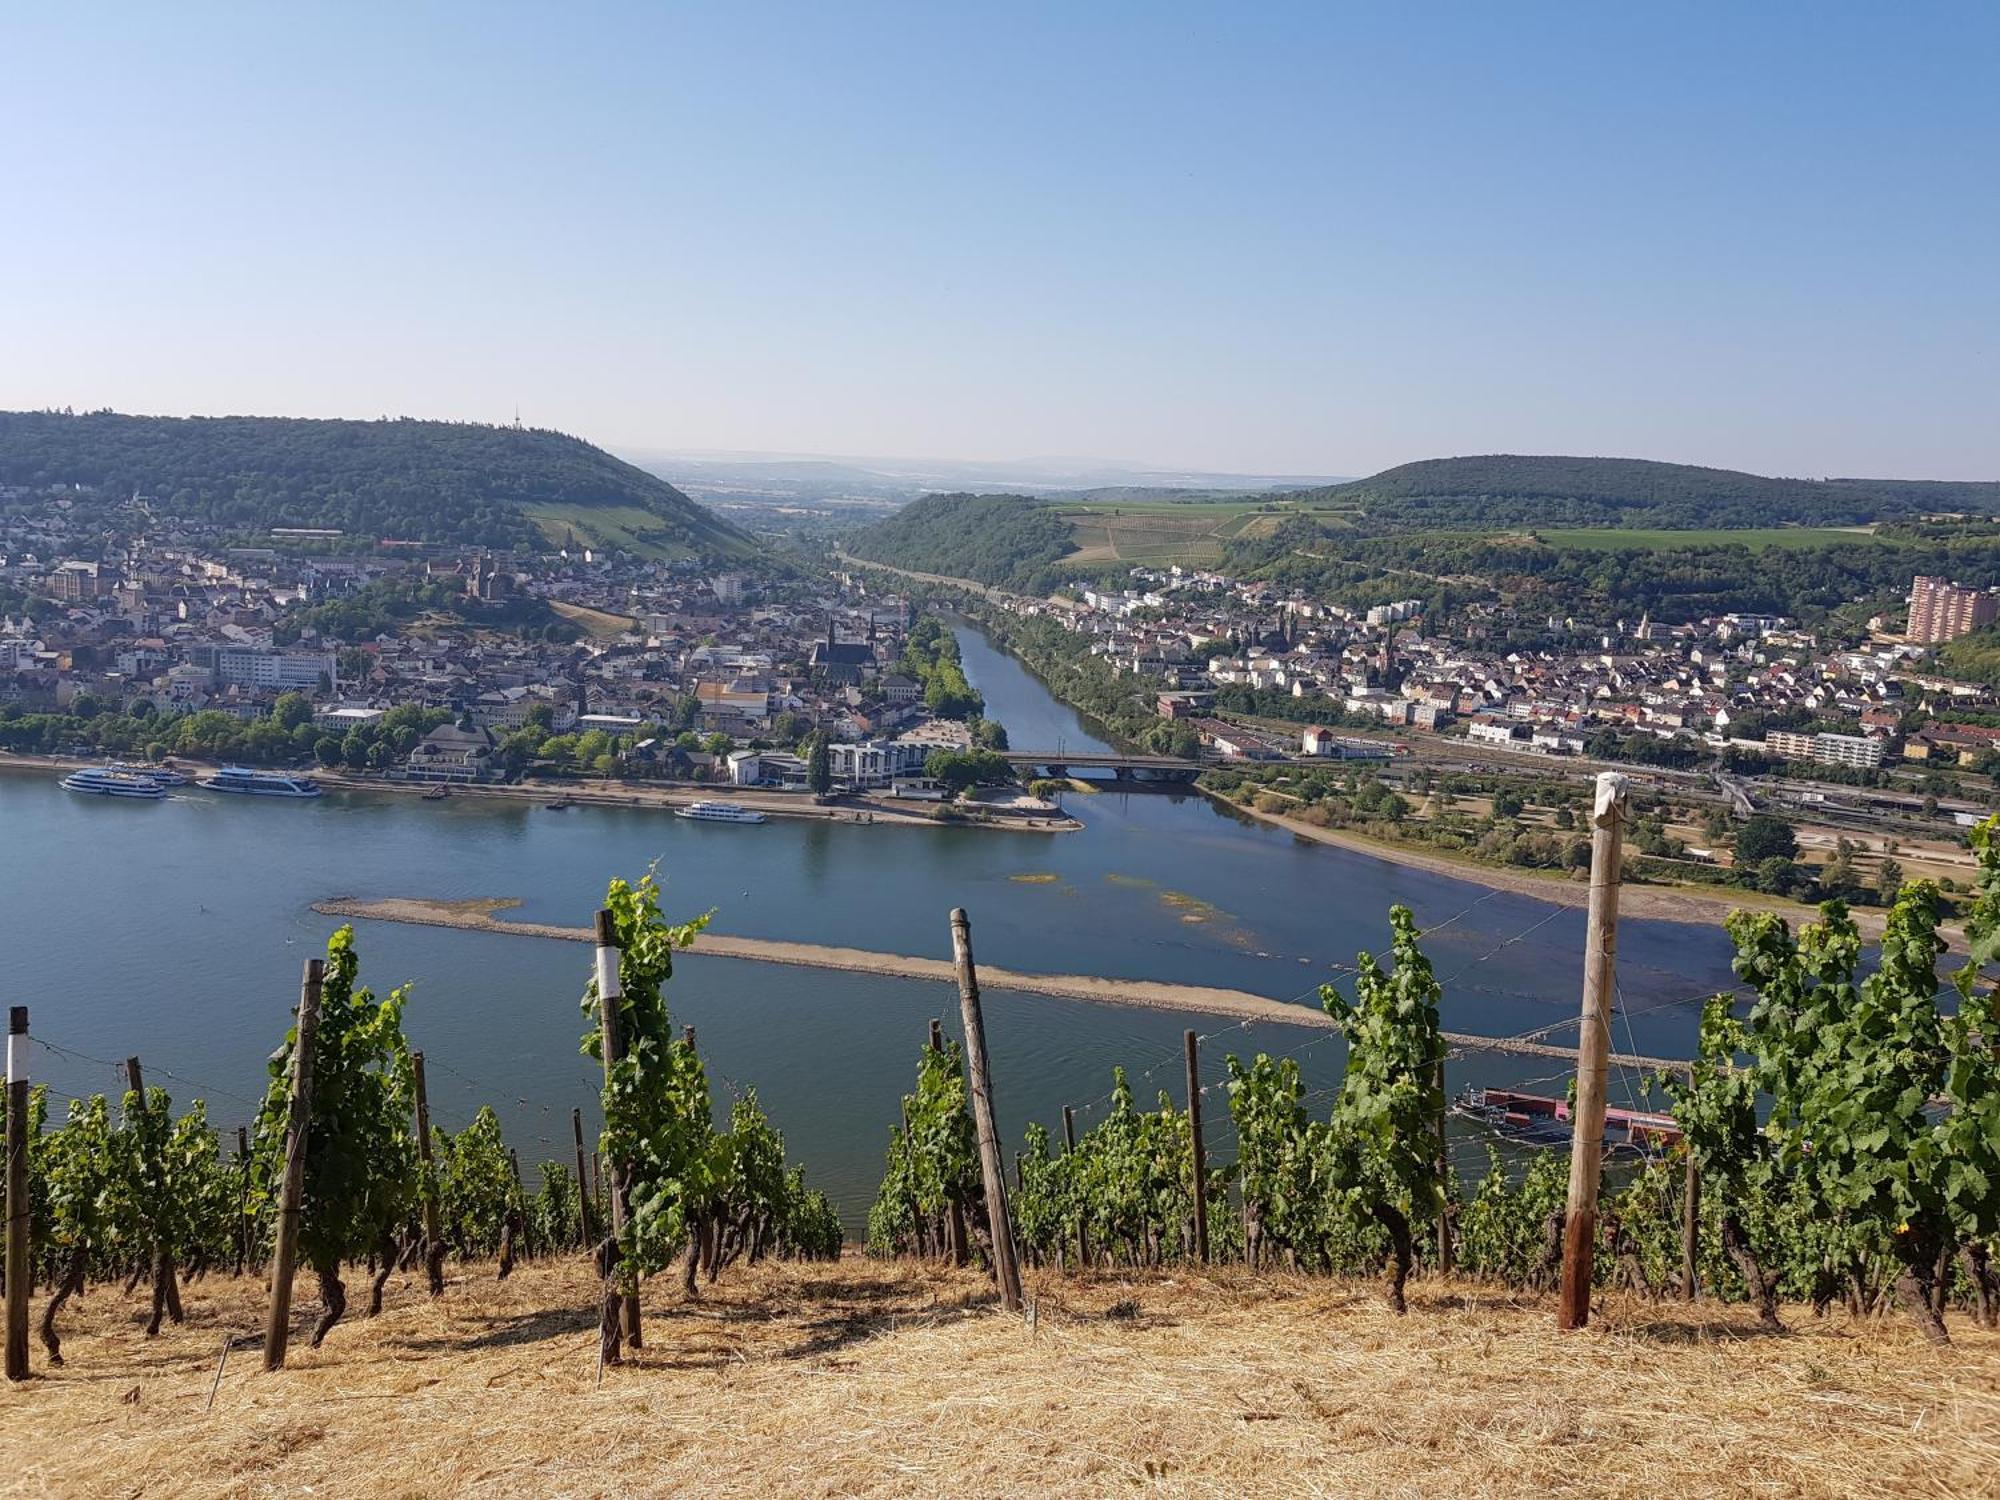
<point x="1122" y="766"/>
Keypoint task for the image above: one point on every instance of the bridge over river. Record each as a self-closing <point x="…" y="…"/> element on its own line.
<point x="1122" y="766"/>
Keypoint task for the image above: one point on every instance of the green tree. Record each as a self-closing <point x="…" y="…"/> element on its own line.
<point x="291" y="710"/>
<point x="1764" y="837"/>
<point x="962" y="769"/>
<point x="1888" y="879"/>
<point x="819" y="767"/>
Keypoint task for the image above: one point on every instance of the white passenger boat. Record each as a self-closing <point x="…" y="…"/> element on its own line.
<point x="160" y="775"/>
<point x="105" y="781"/>
<point x="261" y="783"/>
<point x="719" y="812"/>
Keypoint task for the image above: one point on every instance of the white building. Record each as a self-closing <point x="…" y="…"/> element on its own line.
<point x="253" y="667"/>
<point x="876" y="763"/>
<point x="1494" y="732"/>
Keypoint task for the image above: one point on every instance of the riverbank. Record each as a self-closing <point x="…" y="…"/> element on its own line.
<point x="874" y="811"/>
<point x="1147" y="994"/>
<point x="1704" y="906"/>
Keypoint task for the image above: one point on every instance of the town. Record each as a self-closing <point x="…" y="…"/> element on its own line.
<point x="581" y="668"/>
<point x="1878" y="759"/>
<point x="463" y="668"/>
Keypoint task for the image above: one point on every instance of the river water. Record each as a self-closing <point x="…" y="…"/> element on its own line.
<point x="176" y="930"/>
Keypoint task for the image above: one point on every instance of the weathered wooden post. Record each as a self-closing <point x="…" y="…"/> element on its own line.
<point x="285" y="1241"/>
<point x="1069" y="1144"/>
<point x="242" y="1199"/>
<point x="1600" y="964"/>
<point x="957" y="1247"/>
<point x="512" y="1221"/>
<point x="1444" y="1177"/>
<point x="433" y="1241"/>
<point x="610" y="990"/>
<point x="582" y="1178"/>
<point x="1690" y="1226"/>
<point x="1198" y="1154"/>
<point x="166" y="1285"/>
<point x="18" y="1226"/>
<point x="1006" y="1271"/>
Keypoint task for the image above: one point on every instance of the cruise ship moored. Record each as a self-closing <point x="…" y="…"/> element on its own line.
<point x="160" y="775"/>
<point x="104" y="781"/>
<point x="261" y="783"/>
<point x="719" y="812"/>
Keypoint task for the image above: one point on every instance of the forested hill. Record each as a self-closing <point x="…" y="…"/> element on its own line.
<point x="1012" y="541"/>
<point x="403" y="479"/>
<point x="1514" y="490"/>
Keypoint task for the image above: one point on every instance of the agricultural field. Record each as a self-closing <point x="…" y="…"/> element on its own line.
<point x="1757" y="539"/>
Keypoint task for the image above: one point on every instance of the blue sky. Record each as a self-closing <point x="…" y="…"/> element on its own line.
<point x="1299" y="238"/>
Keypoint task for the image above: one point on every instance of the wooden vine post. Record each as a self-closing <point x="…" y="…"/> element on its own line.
<point x="433" y="1241"/>
<point x="1005" y="1270"/>
<point x="582" y="1179"/>
<point x="956" y="1250"/>
<point x="1690" y="1227"/>
<point x="18" y="1275"/>
<point x="298" y="1115"/>
<point x="166" y="1284"/>
<point x="242" y="1199"/>
<point x="1069" y="1144"/>
<point x="610" y="990"/>
<point x="1444" y="1177"/>
<point x="1600" y="965"/>
<point x="1199" y="1156"/>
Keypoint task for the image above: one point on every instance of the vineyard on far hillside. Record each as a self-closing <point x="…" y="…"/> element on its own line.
<point x="1841" y="1134"/>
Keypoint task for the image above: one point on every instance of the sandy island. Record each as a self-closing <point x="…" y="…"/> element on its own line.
<point x="478" y="916"/>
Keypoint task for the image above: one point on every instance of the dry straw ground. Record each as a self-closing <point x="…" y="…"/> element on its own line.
<point x="860" y="1378"/>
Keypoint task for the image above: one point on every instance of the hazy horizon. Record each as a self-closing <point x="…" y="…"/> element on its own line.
<point x="1283" y="241"/>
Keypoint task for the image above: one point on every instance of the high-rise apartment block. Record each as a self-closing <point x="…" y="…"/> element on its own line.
<point x="1941" y="610"/>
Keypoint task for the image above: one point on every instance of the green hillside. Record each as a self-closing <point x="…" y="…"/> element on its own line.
<point x="450" y="482"/>
<point x="1975" y="657"/>
<point x="1011" y="541"/>
<point x="1515" y="490"/>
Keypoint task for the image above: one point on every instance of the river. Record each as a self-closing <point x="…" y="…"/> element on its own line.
<point x="175" y="931"/>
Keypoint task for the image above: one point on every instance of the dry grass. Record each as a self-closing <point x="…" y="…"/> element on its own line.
<point x="866" y="1379"/>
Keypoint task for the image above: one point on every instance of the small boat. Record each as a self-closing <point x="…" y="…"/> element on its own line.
<point x="104" y="781"/>
<point x="439" y="792"/>
<point x="562" y="804"/>
<point x="261" y="783"/>
<point x="718" y="812"/>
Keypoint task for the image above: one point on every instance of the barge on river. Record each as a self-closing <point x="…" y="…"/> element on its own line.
<point x="1538" y="1120"/>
